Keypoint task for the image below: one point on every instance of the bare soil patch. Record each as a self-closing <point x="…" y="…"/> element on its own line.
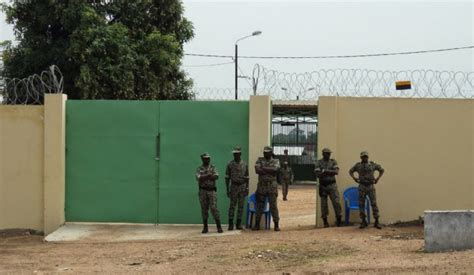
<point x="298" y="248"/>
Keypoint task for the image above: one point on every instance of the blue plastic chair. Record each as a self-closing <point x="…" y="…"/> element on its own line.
<point x="252" y="210"/>
<point x="351" y="202"/>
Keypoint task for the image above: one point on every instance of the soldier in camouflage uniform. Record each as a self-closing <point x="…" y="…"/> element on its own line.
<point x="267" y="170"/>
<point x="237" y="176"/>
<point x="366" y="180"/>
<point x="206" y="175"/>
<point x="326" y="169"/>
<point x="285" y="178"/>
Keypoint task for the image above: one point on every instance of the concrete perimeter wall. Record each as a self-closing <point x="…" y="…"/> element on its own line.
<point x="21" y="167"/>
<point x="425" y="146"/>
<point x="32" y="165"/>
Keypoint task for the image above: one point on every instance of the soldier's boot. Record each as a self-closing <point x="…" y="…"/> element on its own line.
<point x="238" y="225"/>
<point x="284" y="198"/>
<point x="363" y="224"/>
<point x="277" y="226"/>
<point x="231" y="224"/>
<point x="326" y="224"/>
<point x="257" y="224"/>
<point x="338" y="221"/>
<point x="205" y="229"/>
<point x="376" y="224"/>
<point x="219" y="227"/>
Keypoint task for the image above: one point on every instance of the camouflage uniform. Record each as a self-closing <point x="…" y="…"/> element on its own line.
<point x="207" y="192"/>
<point x="366" y="185"/>
<point x="238" y="174"/>
<point x="328" y="187"/>
<point x="286" y="178"/>
<point x="267" y="187"/>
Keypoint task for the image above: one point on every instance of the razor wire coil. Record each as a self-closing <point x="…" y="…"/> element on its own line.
<point x="31" y="90"/>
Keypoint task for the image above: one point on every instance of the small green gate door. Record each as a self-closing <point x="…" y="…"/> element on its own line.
<point x="187" y="129"/>
<point x="111" y="170"/>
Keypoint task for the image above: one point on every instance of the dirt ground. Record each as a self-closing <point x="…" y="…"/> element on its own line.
<point x="298" y="248"/>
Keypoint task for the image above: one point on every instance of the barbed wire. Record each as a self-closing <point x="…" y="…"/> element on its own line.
<point x="362" y="83"/>
<point x="213" y="93"/>
<point x="31" y="90"/>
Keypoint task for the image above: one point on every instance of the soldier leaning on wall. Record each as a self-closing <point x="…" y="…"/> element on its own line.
<point x="326" y="170"/>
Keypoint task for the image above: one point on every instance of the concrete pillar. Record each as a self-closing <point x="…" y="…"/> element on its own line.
<point x="54" y="161"/>
<point x="260" y="119"/>
<point x="327" y="124"/>
<point x="327" y="137"/>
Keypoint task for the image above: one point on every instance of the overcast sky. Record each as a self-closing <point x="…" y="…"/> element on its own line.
<point x="309" y="28"/>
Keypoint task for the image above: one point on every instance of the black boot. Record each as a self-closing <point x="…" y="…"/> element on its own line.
<point x="231" y="224"/>
<point x="204" y="229"/>
<point x="219" y="227"/>
<point x="238" y="225"/>
<point x="363" y="224"/>
<point x="277" y="226"/>
<point x="284" y="198"/>
<point x="376" y="224"/>
<point x="326" y="224"/>
<point x="338" y="221"/>
<point x="257" y="224"/>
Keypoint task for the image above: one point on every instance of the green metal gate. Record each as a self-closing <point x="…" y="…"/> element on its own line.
<point x="295" y="128"/>
<point x="134" y="161"/>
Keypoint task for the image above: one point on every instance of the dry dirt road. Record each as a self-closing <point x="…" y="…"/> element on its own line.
<point x="298" y="248"/>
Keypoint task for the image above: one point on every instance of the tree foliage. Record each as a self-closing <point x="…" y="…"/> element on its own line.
<point x="105" y="49"/>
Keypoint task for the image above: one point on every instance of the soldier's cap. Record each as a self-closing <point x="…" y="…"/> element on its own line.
<point x="364" y="153"/>
<point x="237" y="149"/>
<point x="327" y="150"/>
<point x="205" y="156"/>
<point x="267" y="149"/>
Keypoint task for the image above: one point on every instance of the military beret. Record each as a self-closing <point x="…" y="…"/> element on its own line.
<point x="267" y="149"/>
<point x="237" y="149"/>
<point x="327" y="150"/>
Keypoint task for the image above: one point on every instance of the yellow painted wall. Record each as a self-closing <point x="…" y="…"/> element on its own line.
<point x="425" y="146"/>
<point x="260" y="115"/>
<point x="54" y="161"/>
<point x="21" y="167"/>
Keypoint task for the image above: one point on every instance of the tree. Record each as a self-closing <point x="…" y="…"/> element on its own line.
<point x="105" y="49"/>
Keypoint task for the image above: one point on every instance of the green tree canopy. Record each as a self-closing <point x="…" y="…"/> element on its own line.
<point x="105" y="49"/>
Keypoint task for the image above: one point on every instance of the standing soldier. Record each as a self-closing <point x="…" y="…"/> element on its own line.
<point x="286" y="178"/>
<point x="206" y="175"/>
<point x="366" y="180"/>
<point x="326" y="169"/>
<point x="237" y="175"/>
<point x="285" y="156"/>
<point x="267" y="170"/>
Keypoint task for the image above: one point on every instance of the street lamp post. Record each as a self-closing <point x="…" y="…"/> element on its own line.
<point x="255" y="33"/>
